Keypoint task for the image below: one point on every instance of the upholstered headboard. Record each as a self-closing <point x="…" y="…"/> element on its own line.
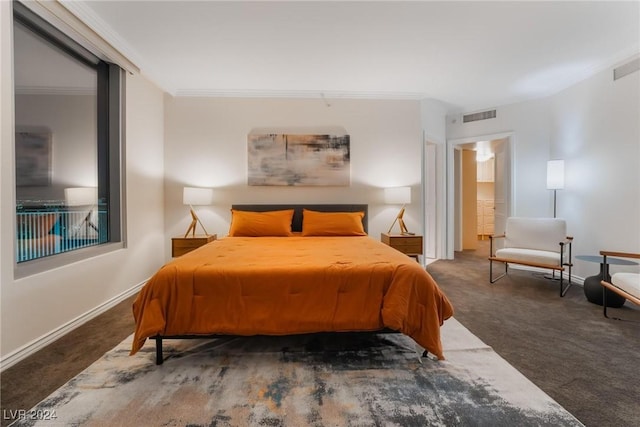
<point x="297" y="215"/>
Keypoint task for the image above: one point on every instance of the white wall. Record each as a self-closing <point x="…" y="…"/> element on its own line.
<point x="433" y="116"/>
<point x="530" y="123"/>
<point x="206" y="145"/>
<point x="37" y="306"/>
<point x="594" y="127"/>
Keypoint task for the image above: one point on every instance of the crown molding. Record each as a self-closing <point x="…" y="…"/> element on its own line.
<point x="93" y="21"/>
<point x="306" y="94"/>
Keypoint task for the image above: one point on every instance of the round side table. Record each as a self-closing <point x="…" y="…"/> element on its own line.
<point x="592" y="286"/>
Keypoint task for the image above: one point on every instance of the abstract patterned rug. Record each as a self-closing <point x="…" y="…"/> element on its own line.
<point x="312" y="380"/>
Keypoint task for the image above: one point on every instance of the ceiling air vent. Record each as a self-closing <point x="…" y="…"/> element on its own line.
<point x="626" y="69"/>
<point x="483" y="115"/>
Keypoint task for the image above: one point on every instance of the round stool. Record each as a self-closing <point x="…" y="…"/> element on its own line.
<point x="593" y="288"/>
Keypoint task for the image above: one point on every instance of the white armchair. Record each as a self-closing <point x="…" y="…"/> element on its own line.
<point x="627" y="285"/>
<point x="534" y="242"/>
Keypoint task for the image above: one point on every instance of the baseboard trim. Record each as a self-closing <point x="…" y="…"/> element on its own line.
<point x="39" y="343"/>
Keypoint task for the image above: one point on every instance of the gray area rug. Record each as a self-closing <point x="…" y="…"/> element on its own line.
<point x="308" y="380"/>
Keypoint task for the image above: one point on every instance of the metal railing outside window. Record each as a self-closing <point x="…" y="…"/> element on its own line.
<point x="51" y="231"/>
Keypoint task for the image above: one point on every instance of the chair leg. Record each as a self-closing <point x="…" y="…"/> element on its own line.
<point x="604" y="308"/>
<point x="563" y="292"/>
<point x="562" y="265"/>
<point x="561" y="280"/>
<point x="491" y="278"/>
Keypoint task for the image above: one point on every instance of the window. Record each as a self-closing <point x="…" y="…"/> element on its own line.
<point x="68" y="140"/>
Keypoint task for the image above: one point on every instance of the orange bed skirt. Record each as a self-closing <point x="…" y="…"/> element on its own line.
<point x="292" y="285"/>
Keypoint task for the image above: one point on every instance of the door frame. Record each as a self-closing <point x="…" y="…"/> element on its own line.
<point x="433" y="191"/>
<point x="453" y="185"/>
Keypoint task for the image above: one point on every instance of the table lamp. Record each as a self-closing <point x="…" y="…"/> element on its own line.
<point x="555" y="179"/>
<point x="397" y="196"/>
<point x="200" y="197"/>
<point x="82" y="196"/>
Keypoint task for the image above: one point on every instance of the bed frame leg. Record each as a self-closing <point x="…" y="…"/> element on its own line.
<point x="159" y="358"/>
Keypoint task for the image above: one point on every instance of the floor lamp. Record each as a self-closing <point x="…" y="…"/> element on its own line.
<point x="397" y="196"/>
<point x="555" y="179"/>
<point x="196" y="196"/>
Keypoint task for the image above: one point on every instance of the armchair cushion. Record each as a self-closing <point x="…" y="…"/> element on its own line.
<point x="530" y="256"/>
<point x="628" y="282"/>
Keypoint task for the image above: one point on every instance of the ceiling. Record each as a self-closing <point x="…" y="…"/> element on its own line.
<point x="469" y="55"/>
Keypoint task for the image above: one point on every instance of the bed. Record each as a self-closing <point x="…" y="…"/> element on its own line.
<point x="291" y="269"/>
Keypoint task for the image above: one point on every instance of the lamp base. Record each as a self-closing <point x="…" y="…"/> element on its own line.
<point x="194" y="222"/>
<point x="400" y="221"/>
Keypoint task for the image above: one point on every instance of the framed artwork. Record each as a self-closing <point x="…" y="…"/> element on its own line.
<point x="299" y="160"/>
<point x="33" y="158"/>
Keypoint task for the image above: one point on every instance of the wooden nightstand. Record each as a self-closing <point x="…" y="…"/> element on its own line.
<point x="405" y="243"/>
<point x="182" y="245"/>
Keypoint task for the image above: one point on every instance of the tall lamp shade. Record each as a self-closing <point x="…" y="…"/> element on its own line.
<point x="398" y="196"/>
<point x="199" y="197"/>
<point x="555" y="174"/>
<point x="555" y="179"/>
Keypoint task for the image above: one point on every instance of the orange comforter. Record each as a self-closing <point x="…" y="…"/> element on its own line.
<point x="291" y="285"/>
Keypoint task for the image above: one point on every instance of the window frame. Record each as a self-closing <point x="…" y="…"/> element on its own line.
<point x="110" y="144"/>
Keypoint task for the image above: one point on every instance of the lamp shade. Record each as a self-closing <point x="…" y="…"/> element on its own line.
<point x="397" y="195"/>
<point x="555" y="174"/>
<point x="81" y="196"/>
<point x="197" y="196"/>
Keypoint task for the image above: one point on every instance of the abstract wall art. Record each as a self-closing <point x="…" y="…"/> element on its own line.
<point x="299" y="160"/>
<point x="33" y="157"/>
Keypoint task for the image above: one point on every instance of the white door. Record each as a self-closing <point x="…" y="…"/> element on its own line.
<point x="502" y="184"/>
<point x="430" y="194"/>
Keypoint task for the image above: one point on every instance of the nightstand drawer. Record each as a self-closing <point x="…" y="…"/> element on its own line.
<point x="182" y="245"/>
<point x="410" y="245"/>
<point x="409" y="249"/>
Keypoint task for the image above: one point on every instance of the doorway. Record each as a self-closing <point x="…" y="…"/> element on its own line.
<point x="463" y="188"/>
